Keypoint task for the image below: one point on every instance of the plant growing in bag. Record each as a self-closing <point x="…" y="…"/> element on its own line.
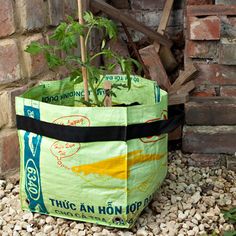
<point x="66" y="40"/>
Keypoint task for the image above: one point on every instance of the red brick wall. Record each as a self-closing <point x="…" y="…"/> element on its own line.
<point x="211" y="114"/>
<point x="22" y="22"/>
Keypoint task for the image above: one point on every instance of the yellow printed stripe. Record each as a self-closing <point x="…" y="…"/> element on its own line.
<point x="116" y="166"/>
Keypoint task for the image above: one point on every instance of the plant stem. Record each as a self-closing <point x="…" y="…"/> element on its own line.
<point x="87" y="35"/>
<point x="94" y="91"/>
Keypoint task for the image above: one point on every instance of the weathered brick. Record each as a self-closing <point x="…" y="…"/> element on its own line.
<point x="211" y="10"/>
<point x="207" y="28"/>
<point x="121" y="4"/>
<point x="71" y="8"/>
<point x="56" y="12"/>
<point x="227" y="52"/>
<point x="228" y="27"/>
<point x="209" y="139"/>
<point x="225" y="2"/>
<point x="153" y="5"/>
<point x="228" y="91"/>
<point x="32" y="14"/>
<point x="202" y="49"/>
<point x="7" y="24"/>
<point x="206" y="160"/>
<point x="35" y="64"/>
<point x="198" y="2"/>
<point x="205" y="91"/>
<point x="211" y="112"/>
<point x="7" y="104"/>
<point x="147" y="4"/>
<point x="9" y="61"/>
<point x="9" y="150"/>
<point x="214" y="74"/>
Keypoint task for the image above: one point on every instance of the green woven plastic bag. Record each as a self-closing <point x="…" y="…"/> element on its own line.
<point x="103" y="182"/>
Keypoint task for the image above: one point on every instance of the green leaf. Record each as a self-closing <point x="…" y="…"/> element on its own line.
<point x="53" y="60"/>
<point x="34" y="48"/>
<point x="230" y="233"/>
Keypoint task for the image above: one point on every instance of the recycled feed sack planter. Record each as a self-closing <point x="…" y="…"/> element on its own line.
<point x="94" y="164"/>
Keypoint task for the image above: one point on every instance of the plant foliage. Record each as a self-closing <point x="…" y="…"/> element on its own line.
<point x="65" y="40"/>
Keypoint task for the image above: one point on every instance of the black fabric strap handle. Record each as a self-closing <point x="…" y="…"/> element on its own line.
<point x="94" y="134"/>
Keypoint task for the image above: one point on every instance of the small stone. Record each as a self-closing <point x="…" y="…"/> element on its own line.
<point x="47" y="229"/>
<point x="82" y="233"/>
<point x="28" y="216"/>
<point x="3" y="184"/>
<point x="2" y="194"/>
<point x="142" y="232"/>
<point x="196" y="197"/>
<point x="29" y="229"/>
<point x="9" y="187"/>
<point x="50" y="220"/>
<point x="17" y="228"/>
<point x="79" y="226"/>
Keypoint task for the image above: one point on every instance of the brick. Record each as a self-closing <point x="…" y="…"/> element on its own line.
<point x="121" y="4"/>
<point x="153" y="5"/>
<point x="211" y="10"/>
<point x="9" y="150"/>
<point x="7" y="104"/>
<point x="56" y="12"/>
<point x="7" y="24"/>
<point x="211" y="112"/>
<point x="205" y="91"/>
<point x="34" y="64"/>
<point x="228" y="27"/>
<point x="9" y="61"/>
<point x="32" y="14"/>
<point x="228" y="91"/>
<point x="214" y="74"/>
<point x="209" y="139"/>
<point x="71" y="8"/>
<point x="225" y="2"/>
<point x="231" y="162"/>
<point x="207" y="28"/>
<point x="202" y="49"/>
<point x="206" y="160"/>
<point x="198" y="2"/>
<point x="147" y="4"/>
<point x="227" y="55"/>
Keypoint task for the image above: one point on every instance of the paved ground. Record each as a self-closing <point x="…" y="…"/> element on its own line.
<point x="189" y="203"/>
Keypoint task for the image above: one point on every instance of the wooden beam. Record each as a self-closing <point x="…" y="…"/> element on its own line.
<point x="164" y="21"/>
<point x="165" y="16"/>
<point x="131" y="22"/>
<point x="186" y="88"/>
<point x="185" y="76"/>
<point x="156" y="70"/>
<point x="176" y="99"/>
<point x="211" y="10"/>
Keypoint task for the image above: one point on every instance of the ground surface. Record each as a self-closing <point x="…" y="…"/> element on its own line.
<point x="188" y="203"/>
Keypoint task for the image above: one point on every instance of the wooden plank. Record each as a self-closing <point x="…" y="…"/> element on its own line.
<point x="183" y="78"/>
<point x="211" y="10"/>
<point x="164" y="21"/>
<point x="186" y="88"/>
<point x="156" y="70"/>
<point x="176" y="99"/>
<point x="165" y="16"/>
<point x="131" y="22"/>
